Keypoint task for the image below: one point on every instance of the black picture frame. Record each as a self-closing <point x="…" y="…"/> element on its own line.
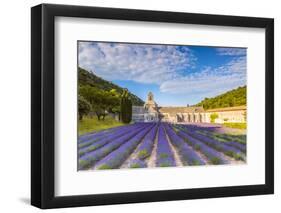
<point x="43" y="105"/>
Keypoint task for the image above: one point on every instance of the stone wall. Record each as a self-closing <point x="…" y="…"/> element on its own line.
<point x="138" y="113"/>
<point x="223" y="115"/>
<point x="237" y="116"/>
<point x="151" y="112"/>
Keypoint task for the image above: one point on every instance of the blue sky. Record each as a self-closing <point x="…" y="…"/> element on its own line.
<point x="176" y="75"/>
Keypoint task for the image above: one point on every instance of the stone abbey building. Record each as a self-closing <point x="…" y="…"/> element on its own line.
<point x="151" y="112"/>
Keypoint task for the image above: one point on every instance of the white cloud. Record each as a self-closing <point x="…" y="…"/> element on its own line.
<point x="170" y="67"/>
<point x="209" y="81"/>
<point x="142" y="63"/>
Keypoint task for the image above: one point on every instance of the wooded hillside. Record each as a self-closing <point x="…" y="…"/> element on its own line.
<point x="235" y="97"/>
<point x="90" y="79"/>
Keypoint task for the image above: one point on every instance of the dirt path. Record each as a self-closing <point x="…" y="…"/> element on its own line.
<point x="201" y="155"/>
<point x="132" y="156"/>
<point x="175" y="153"/>
<point x="232" y="161"/>
<point x="205" y="159"/>
<point x="151" y="162"/>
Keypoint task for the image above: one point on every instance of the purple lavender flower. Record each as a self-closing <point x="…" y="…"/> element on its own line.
<point x="137" y="163"/>
<point x="95" y="135"/>
<point x="89" y="159"/>
<point x="117" y="157"/>
<point x="164" y="155"/>
<point x="188" y="156"/>
<point x="240" y="146"/>
<point x="222" y="147"/>
<point x="226" y="140"/>
<point x="145" y="149"/>
<point x="107" y="139"/>
<point x="214" y="157"/>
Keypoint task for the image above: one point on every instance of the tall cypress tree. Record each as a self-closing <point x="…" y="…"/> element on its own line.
<point x="122" y="106"/>
<point x="125" y="107"/>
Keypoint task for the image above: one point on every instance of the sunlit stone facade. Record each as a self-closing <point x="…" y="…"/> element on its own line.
<point x="151" y="112"/>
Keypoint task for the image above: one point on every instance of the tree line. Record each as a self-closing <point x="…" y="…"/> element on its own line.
<point x="235" y="97"/>
<point x="89" y="78"/>
<point x="101" y="103"/>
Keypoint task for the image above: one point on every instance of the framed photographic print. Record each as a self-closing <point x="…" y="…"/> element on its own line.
<point x="139" y="106"/>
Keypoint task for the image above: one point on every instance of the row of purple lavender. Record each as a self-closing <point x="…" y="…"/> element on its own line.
<point x="143" y="145"/>
<point x="229" y="148"/>
<point x="164" y="153"/>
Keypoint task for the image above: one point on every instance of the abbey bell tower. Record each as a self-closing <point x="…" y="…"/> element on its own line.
<point x="151" y="109"/>
<point x="150" y="96"/>
<point x="150" y="104"/>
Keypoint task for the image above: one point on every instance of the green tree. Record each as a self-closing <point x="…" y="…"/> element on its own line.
<point x="103" y="102"/>
<point x="235" y="97"/>
<point x="84" y="107"/>
<point x="97" y="98"/>
<point x="125" y="107"/>
<point x="113" y="101"/>
<point x="89" y="78"/>
<point x="213" y="117"/>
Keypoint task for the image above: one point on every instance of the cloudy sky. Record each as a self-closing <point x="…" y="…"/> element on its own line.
<point x="177" y="75"/>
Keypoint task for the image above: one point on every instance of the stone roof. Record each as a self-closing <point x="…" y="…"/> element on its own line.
<point x="236" y="108"/>
<point x="174" y="110"/>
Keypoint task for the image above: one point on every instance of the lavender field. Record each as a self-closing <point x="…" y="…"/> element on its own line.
<point x="142" y="145"/>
